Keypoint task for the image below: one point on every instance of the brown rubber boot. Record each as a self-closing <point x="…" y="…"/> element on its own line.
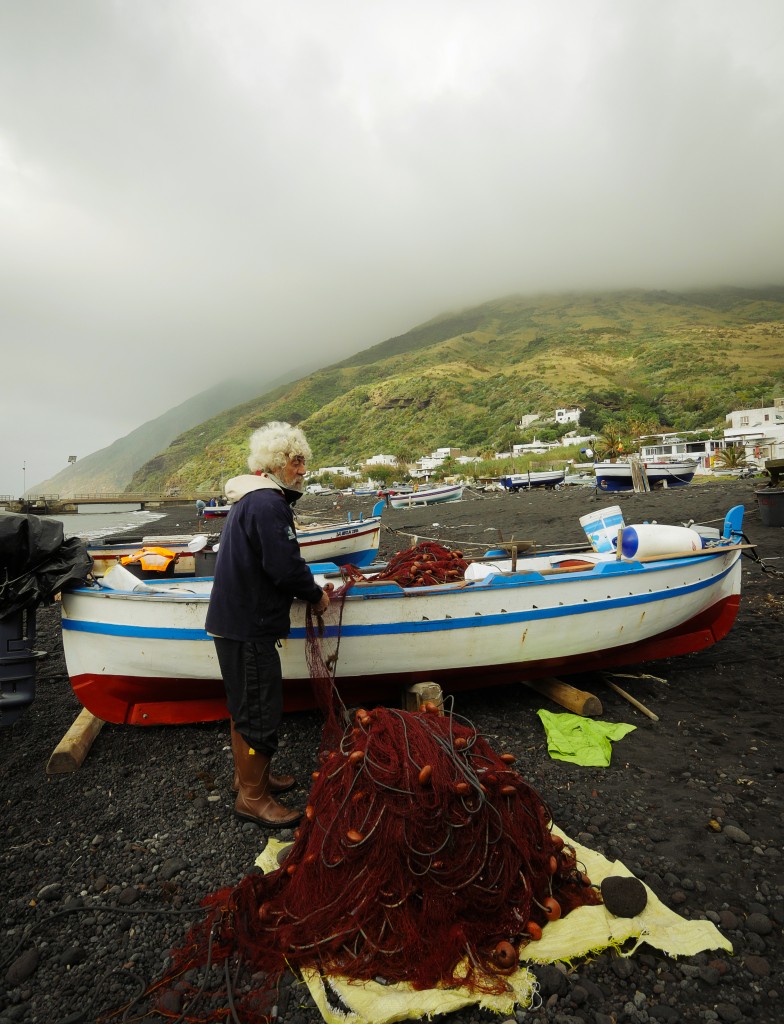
<point x="254" y="800"/>
<point x="277" y="783"/>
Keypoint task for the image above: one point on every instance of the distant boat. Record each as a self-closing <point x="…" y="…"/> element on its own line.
<point x="215" y="511"/>
<point x="430" y="496"/>
<point x="354" y="541"/>
<point x="618" y="476"/>
<point x="540" y="478"/>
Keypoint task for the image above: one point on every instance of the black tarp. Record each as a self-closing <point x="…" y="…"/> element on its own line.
<point x="36" y="562"/>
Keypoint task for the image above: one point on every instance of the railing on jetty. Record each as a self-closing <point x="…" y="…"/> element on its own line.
<point x="54" y="504"/>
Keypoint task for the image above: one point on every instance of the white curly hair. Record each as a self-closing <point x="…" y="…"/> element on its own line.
<point x="272" y="445"/>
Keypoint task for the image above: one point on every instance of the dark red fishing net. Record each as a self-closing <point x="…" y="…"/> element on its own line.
<point x="423" y="857"/>
<point x="425" y="565"/>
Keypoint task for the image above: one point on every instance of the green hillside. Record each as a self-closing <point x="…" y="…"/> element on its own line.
<point x="465" y="379"/>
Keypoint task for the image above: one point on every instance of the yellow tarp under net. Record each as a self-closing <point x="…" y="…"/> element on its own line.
<point x="585" y="930"/>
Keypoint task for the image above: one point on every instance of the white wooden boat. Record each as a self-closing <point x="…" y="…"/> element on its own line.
<point x="540" y="478"/>
<point x="427" y="496"/>
<point x="141" y="656"/>
<point x="354" y="541"/>
<point x="617" y="476"/>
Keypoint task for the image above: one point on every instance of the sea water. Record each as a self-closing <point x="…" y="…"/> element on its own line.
<point x="92" y="526"/>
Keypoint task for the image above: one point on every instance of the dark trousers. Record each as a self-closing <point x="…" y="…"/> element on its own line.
<point x="253" y="682"/>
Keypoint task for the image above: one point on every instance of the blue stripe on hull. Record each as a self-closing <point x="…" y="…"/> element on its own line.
<point x="423" y="626"/>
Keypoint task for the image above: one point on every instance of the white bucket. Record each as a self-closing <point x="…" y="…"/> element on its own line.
<point x="601" y="528"/>
<point x="646" y="539"/>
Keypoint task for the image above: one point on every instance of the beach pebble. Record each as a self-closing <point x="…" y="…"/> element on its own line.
<point x="759" y="924"/>
<point x="666" y="1014"/>
<point x="729" y="1012"/>
<point x="756" y="965"/>
<point x="737" y="835"/>
<point x="551" y="980"/>
<point x="51" y="892"/>
<point x="23" y="967"/>
<point x="728" y="921"/>
<point x="72" y="955"/>
<point x="172" y="866"/>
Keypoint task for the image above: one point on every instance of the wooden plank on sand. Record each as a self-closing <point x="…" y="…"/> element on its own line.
<point x="72" y="748"/>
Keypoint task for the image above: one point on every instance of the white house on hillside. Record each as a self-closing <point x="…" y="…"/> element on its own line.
<point x="381" y="460"/>
<point x="567" y="415"/>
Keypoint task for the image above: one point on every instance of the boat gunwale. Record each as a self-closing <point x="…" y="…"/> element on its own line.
<point x="165" y="591"/>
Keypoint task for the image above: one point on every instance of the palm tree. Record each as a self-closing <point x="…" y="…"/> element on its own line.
<point x="732" y="457"/>
<point x="610" y="443"/>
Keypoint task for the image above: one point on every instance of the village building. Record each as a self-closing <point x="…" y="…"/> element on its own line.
<point x="567" y="415"/>
<point x="677" y="447"/>
<point x="759" y="431"/>
<point x="382" y="460"/>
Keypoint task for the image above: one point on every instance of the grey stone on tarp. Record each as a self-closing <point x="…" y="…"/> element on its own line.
<point x="624" y="896"/>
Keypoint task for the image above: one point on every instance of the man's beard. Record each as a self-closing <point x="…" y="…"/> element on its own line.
<point x="297" y="485"/>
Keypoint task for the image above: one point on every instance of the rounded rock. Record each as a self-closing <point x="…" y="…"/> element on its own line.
<point x="624" y="896"/>
<point x="759" y="924"/>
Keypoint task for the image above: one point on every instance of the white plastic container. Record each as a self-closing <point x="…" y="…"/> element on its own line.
<point x="646" y="539"/>
<point x="601" y="528"/>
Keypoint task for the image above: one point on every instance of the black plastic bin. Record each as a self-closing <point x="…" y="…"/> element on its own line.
<point x="771" y="506"/>
<point x="17" y="664"/>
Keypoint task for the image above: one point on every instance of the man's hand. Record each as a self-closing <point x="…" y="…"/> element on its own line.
<point x="323" y="603"/>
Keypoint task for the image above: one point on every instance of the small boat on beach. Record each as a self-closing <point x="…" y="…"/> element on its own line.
<point x="354" y="541"/>
<point x="540" y="478"/>
<point x="215" y="512"/>
<point x="427" y="496"/>
<point x="619" y="476"/>
<point x="140" y="654"/>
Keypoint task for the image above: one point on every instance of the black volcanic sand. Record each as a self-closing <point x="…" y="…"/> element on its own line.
<point x="104" y="864"/>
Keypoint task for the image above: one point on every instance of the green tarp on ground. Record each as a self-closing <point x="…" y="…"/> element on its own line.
<point x="581" y="740"/>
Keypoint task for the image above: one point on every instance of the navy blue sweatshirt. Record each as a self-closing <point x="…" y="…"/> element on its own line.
<point x="259" y="569"/>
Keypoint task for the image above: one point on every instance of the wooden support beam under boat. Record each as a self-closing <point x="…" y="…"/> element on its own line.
<point x="579" y="702"/>
<point x="72" y="749"/>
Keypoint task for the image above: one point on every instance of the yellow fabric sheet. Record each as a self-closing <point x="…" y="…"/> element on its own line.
<point x="585" y="930"/>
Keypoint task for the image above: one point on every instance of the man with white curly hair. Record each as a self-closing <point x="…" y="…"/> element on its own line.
<point x="258" y="573"/>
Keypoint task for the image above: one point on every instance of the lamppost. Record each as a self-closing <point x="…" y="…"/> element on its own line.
<point x="24" y="478"/>
<point x="221" y="460"/>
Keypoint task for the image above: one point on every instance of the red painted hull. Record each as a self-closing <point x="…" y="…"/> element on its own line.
<point x="138" y="701"/>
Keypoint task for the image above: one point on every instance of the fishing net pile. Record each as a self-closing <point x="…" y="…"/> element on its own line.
<point x="423" y="857"/>
<point x="424" y="565"/>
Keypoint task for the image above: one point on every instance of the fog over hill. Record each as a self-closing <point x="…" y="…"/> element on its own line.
<point x="110" y="469"/>
<point x="191" y="190"/>
<point x="464" y="379"/>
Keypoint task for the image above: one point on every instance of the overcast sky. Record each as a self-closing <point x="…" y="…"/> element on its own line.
<point x="190" y="188"/>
